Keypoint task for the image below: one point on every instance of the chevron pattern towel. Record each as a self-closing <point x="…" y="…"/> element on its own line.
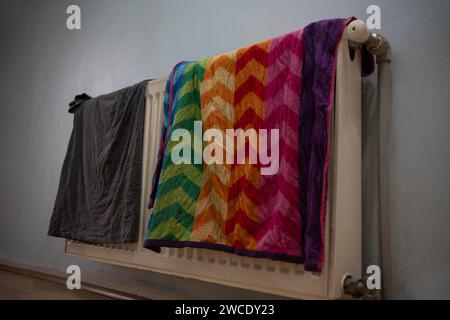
<point x="286" y="83"/>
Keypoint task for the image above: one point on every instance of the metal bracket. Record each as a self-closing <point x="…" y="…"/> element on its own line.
<point x="356" y="288"/>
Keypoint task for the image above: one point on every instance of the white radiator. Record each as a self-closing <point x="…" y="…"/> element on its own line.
<point x="343" y="227"/>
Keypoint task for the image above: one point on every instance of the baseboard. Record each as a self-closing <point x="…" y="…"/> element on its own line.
<point x="113" y="294"/>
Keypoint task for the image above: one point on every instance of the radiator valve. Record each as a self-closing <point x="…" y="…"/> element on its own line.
<point x="357" y="288"/>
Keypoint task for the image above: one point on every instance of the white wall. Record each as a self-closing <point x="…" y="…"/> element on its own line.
<point x="43" y="65"/>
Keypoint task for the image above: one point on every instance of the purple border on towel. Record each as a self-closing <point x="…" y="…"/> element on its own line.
<point x="155" y="245"/>
<point x="320" y="44"/>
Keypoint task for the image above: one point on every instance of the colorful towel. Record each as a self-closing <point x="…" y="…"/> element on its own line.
<point x="286" y="83"/>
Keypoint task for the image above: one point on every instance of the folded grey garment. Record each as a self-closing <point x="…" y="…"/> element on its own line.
<point x="99" y="195"/>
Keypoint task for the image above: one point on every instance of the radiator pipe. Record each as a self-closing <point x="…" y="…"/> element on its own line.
<point x="359" y="34"/>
